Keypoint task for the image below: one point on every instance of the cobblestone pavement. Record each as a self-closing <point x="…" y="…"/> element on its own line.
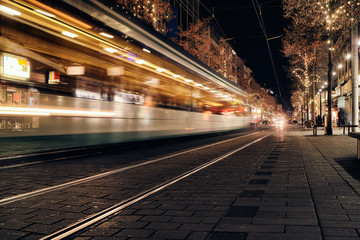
<point x="296" y="191"/>
<point x="291" y="185"/>
<point x="44" y="214"/>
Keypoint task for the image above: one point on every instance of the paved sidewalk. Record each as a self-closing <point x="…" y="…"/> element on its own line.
<point x="289" y="186"/>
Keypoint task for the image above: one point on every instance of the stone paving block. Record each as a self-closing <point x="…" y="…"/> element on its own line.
<point x="341" y="232"/>
<point x="41" y="228"/>
<point x="163" y="226"/>
<point x="187" y="219"/>
<point x="150" y="212"/>
<point x="120" y="218"/>
<point x="199" y="208"/>
<point x="275" y="214"/>
<point x="302" y="203"/>
<point x="11" y="234"/>
<point x="102" y="238"/>
<point x="176" y="213"/>
<point x="13" y="225"/>
<point x="282" y="236"/>
<point x="211" y="219"/>
<point x="135" y="233"/>
<point x="339" y="224"/>
<point x="47" y="220"/>
<point x="208" y="213"/>
<point x="100" y="232"/>
<point x="33" y="236"/>
<point x="17" y="217"/>
<point x="172" y="207"/>
<point x="130" y="225"/>
<point x="292" y="229"/>
<point x="355" y="207"/>
<point x="287" y="221"/>
<point x="242" y="211"/>
<point x="227" y="236"/>
<point x="156" y="219"/>
<point x="340" y="238"/>
<point x="236" y="220"/>
<point x="273" y="204"/>
<point x="197" y="236"/>
<point x="354" y="217"/>
<point x="249" y="228"/>
<point x="198" y="227"/>
<point x="334" y="217"/>
<point x="286" y="209"/>
<point x="170" y="234"/>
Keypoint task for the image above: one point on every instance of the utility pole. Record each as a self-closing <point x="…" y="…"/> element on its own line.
<point x="354" y="74"/>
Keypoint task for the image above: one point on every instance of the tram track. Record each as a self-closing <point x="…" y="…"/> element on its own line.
<point x="83" y="224"/>
<point x="34" y="193"/>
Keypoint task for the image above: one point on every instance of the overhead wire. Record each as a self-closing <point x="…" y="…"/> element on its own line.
<point x="263" y="28"/>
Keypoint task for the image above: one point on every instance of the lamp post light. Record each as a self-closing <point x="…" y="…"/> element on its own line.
<point x="354" y="74"/>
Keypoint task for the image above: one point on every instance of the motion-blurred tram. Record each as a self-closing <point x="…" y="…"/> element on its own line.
<point x="80" y="73"/>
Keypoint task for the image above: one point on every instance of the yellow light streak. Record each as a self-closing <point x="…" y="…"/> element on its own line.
<point x="52" y="112"/>
<point x="61" y="14"/>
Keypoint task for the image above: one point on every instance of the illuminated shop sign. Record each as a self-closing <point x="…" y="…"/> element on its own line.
<point x="54" y="77"/>
<point x="75" y="70"/>
<point x="15" y="66"/>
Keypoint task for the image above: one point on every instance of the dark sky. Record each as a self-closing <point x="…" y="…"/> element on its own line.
<point x="238" y="19"/>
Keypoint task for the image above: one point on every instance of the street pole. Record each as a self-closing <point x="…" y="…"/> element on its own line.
<point x="320" y="107"/>
<point x="313" y="102"/>
<point x="307" y="106"/>
<point x="329" y="120"/>
<point x="354" y="75"/>
<point x="330" y="67"/>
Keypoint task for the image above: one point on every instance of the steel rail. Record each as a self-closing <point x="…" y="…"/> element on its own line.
<point x="22" y="196"/>
<point x="95" y="218"/>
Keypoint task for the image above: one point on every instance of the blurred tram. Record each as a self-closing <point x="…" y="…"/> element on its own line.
<point x="79" y="73"/>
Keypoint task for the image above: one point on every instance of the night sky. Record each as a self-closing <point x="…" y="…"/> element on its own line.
<point x="238" y="19"/>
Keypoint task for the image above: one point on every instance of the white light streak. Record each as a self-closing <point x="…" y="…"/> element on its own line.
<point x="106" y="35"/>
<point x="52" y="112"/>
<point x="9" y="11"/>
<point x="69" y="34"/>
<point x="45" y="13"/>
<point x="140" y="61"/>
<point x="161" y="69"/>
<point x="110" y="50"/>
